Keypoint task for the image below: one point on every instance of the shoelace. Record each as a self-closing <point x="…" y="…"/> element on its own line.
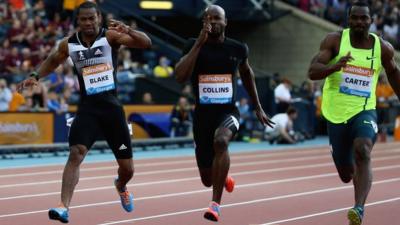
<point x="125" y="197"/>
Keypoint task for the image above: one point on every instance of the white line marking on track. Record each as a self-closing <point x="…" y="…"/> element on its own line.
<point x="253" y="163"/>
<point x="175" y="162"/>
<point x="330" y="211"/>
<point x="195" y="178"/>
<point x="237" y="186"/>
<point x="183" y="170"/>
<point x="249" y="202"/>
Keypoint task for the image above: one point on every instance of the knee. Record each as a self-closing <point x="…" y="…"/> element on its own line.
<point x="129" y="171"/>
<point x="220" y="144"/>
<point x="362" y="152"/>
<point x="346" y="174"/>
<point x="77" y="154"/>
<point x="206" y="181"/>
<point x="346" y="178"/>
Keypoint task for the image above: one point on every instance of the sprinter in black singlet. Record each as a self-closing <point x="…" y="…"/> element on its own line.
<point x="94" y="51"/>
<point x="212" y="61"/>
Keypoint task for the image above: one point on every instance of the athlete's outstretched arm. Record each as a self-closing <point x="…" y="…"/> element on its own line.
<point x="56" y="57"/>
<point x="247" y="76"/>
<point x="121" y="34"/>
<point x="391" y="69"/>
<point x="184" y="68"/>
<point x="319" y="68"/>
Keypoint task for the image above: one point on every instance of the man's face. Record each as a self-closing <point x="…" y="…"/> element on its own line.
<point x="359" y="19"/>
<point x="217" y="20"/>
<point x="293" y="116"/>
<point x="88" y="21"/>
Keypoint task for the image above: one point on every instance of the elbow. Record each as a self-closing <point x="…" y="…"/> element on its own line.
<point x="180" y="78"/>
<point x="148" y="43"/>
<point x="311" y="75"/>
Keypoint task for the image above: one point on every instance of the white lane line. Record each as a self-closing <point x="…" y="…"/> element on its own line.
<point x="237" y="187"/>
<point x="176" y="162"/>
<point x="283" y="151"/>
<point x="249" y="202"/>
<point x="282" y="169"/>
<point x="330" y="212"/>
<point x="252" y="163"/>
<point x="184" y="179"/>
<point x="271" y="153"/>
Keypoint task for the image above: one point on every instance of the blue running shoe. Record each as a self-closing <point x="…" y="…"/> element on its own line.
<point x="59" y="213"/>
<point x="355" y="215"/>
<point x="126" y="198"/>
<point x="213" y="212"/>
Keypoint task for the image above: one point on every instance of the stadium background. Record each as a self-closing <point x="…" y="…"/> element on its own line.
<point x="282" y="37"/>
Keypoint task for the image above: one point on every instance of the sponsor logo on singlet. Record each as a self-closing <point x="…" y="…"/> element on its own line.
<point x="98" y="78"/>
<point x="215" y="88"/>
<point x="356" y="81"/>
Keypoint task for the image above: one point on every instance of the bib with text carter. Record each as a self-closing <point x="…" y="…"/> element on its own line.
<point x="215" y="89"/>
<point x="98" y="78"/>
<point x="356" y="81"/>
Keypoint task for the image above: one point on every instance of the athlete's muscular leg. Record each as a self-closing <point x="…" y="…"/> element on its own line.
<point x="125" y="172"/>
<point x="221" y="161"/>
<point x="71" y="173"/>
<point x="346" y="173"/>
<point x="363" y="175"/>
<point x="206" y="176"/>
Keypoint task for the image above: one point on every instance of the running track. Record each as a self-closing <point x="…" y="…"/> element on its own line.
<point x="293" y="186"/>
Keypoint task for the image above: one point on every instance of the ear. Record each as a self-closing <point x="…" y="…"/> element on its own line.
<point x="226" y="21"/>
<point x="100" y="19"/>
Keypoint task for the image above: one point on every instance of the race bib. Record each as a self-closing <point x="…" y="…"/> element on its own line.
<point x="98" y="78"/>
<point x="356" y="81"/>
<point x="215" y="89"/>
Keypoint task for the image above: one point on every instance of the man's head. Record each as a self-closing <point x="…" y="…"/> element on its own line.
<point x="88" y="18"/>
<point x="183" y="102"/>
<point x="215" y="15"/>
<point x="360" y="17"/>
<point x="3" y="83"/>
<point x="292" y="113"/>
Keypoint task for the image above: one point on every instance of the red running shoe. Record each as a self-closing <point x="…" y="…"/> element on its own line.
<point x="229" y="184"/>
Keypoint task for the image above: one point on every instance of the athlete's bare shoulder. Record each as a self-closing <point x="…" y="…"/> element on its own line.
<point x="387" y="50"/>
<point x="331" y="42"/>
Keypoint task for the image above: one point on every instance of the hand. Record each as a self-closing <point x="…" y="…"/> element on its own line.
<point x="263" y="118"/>
<point x="27" y="83"/>
<point x="203" y="36"/>
<point x="118" y="26"/>
<point x="343" y="62"/>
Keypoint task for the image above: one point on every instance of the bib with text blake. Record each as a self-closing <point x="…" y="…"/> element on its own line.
<point x="98" y="78"/>
<point x="215" y="89"/>
<point x="356" y="81"/>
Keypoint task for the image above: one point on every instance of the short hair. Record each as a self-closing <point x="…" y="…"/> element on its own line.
<point x="88" y="5"/>
<point x="361" y="3"/>
<point x="291" y="110"/>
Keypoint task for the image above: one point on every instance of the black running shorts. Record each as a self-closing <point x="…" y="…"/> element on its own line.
<point x="206" y="122"/>
<point x="91" y="123"/>
<point x="341" y="136"/>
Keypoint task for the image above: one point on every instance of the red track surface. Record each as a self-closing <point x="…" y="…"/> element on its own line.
<point x="296" y="186"/>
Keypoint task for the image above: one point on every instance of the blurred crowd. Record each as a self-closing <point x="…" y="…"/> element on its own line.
<point x="385" y="13"/>
<point x="29" y="30"/>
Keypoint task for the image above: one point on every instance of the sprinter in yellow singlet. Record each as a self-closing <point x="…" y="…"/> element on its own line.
<point x="350" y="61"/>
